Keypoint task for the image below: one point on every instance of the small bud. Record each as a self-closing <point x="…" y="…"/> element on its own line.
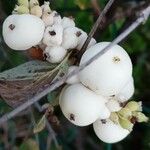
<point x="134" y="106"/>
<point x="46" y="8"/>
<point x="140" y="117"/>
<point x="126" y="124"/>
<point x="114" y="118"/>
<point x="125" y="113"/>
<point x="21" y="9"/>
<point x="23" y="3"/>
<point x="33" y="3"/>
<point x="36" y="11"/>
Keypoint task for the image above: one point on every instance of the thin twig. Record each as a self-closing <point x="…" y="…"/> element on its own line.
<point x="48" y="126"/>
<point x="54" y="85"/>
<point x="95" y="27"/>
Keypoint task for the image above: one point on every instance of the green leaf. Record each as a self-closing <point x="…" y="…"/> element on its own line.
<point x="30" y="144"/>
<point x="40" y="125"/>
<point x="53" y="98"/>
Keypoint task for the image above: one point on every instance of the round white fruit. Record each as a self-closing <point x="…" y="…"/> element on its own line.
<point x="109" y="132"/>
<point x="74" y="79"/>
<point x="70" y="38"/>
<point x="48" y="19"/>
<point x="80" y="105"/>
<point x="21" y="32"/>
<point x="127" y="91"/>
<point x="57" y="17"/>
<point x="105" y="113"/>
<point x="68" y="22"/>
<point x="53" y="35"/>
<point x="113" y="105"/>
<point x="109" y="73"/>
<point x="55" y="54"/>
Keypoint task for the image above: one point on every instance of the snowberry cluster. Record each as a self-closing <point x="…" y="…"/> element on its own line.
<point x="99" y="94"/>
<point x="33" y="25"/>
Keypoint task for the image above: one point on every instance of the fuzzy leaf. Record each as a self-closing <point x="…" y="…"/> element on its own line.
<point x="40" y="125"/>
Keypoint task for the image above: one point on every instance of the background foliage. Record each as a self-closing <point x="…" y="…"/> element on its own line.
<point x="18" y="134"/>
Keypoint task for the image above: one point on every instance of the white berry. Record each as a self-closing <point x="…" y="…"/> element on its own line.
<point x="127" y="91"/>
<point x="53" y="35"/>
<point x="57" y="17"/>
<point x="109" y="73"/>
<point x="70" y="37"/>
<point x="67" y="22"/>
<point x="48" y="19"/>
<point x="105" y="113"/>
<point x="55" y="54"/>
<point x="80" y="105"/>
<point x="21" y="32"/>
<point x="113" y="105"/>
<point x="74" y="79"/>
<point x="109" y="132"/>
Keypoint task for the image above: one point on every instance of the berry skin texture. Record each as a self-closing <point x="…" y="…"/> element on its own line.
<point x="80" y="105"/>
<point x="113" y="105"/>
<point x="53" y="35"/>
<point x="105" y="113"/>
<point x="70" y="38"/>
<point x="57" y="17"/>
<point x="74" y="79"/>
<point x="127" y="91"/>
<point x="55" y="54"/>
<point x="68" y="22"/>
<point x="109" y="132"/>
<point x="109" y="73"/>
<point x="21" y="32"/>
<point x="48" y="19"/>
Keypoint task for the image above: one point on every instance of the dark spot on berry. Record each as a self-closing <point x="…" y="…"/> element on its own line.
<point x="133" y="120"/>
<point x="56" y="14"/>
<point x="103" y="121"/>
<point x="12" y="27"/>
<point x="116" y="59"/>
<point x="52" y="33"/>
<point x="72" y="117"/>
<point x="78" y="33"/>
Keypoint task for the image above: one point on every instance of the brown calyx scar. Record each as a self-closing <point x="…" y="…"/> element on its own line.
<point x="116" y="59"/>
<point x="78" y="33"/>
<point x="52" y="33"/>
<point x="11" y="27"/>
<point x="72" y="117"/>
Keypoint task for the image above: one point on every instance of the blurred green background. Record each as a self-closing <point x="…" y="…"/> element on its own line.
<point x="14" y="134"/>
